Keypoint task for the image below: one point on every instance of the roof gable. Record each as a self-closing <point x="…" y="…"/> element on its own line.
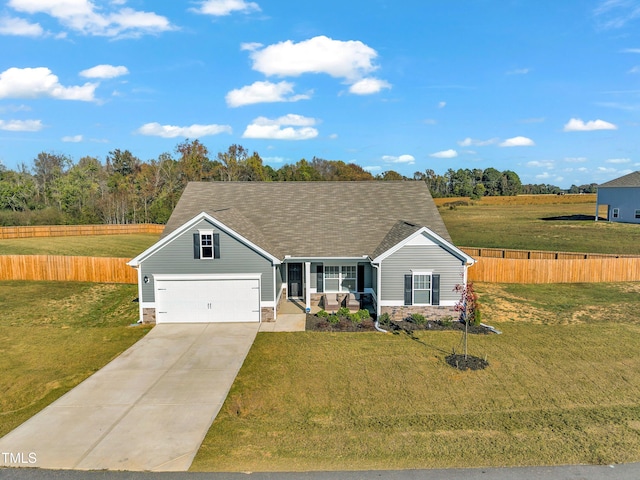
<point x="394" y="241"/>
<point x="166" y="239"/>
<point x="629" y="180"/>
<point x="313" y="219"/>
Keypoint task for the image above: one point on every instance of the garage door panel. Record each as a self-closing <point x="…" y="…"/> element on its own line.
<point x="207" y="300"/>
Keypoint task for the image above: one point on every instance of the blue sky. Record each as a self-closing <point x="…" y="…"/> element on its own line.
<point x="549" y="89"/>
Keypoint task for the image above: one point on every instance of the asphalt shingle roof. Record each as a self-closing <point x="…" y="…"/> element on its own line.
<point x="314" y="219"/>
<point x="630" y="180"/>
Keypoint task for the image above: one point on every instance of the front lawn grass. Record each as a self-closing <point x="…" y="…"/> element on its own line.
<point x="123" y="246"/>
<point x="531" y="223"/>
<point x="562" y="387"/>
<point x="55" y="334"/>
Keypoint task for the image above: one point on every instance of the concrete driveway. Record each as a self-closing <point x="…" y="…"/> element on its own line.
<point x="149" y="409"/>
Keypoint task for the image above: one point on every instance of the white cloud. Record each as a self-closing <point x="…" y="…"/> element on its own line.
<point x="635" y="69"/>
<point x="19" y="27"/>
<point x="104" y="71"/>
<point x="541" y="163"/>
<point x="518" y="142"/>
<point x="170" y="131"/>
<point x="467" y="142"/>
<point x="83" y="16"/>
<point x="618" y="161"/>
<point x="606" y="170"/>
<point x="372" y="168"/>
<point x="288" y="127"/>
<point x="220" y="8"/>
<point x="350" y="60"/>
<point x="445" y="154"/>
<point x="577" y="125"/>
<point x="72" y="138"/>
<point x="408" y="159"/>
<point x="263" y="92"/>
<point x="575" y="159"/>
<point x="41" y="82"/>
<point x="442" y="104"/>
<point x="543" y="176"/>
<point x="368" y="86"/>
<point x="613" y="14"/>
<point x="21" y="125"/>
<point x="519" y="71"/>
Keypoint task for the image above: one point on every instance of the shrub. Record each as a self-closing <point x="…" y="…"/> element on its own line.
<point x="342" y="312"/>
<point x="333" y="319"/>
<point x="418" y="319"/>
<point x="446" y="321"/>
<point x="384" y="319"/>
<point x="354" y="317"/>
<point x="323" y="313"/>
<point x="364" y="314"/>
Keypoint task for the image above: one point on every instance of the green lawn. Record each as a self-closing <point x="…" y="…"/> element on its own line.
<point x="123" y="246"/>
<point x="528" y="227"/>
<point x="55" y="334"/>
<point x="556" y="392"/>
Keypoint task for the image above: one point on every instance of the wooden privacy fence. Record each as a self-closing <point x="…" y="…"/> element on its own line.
<point x="478" y="253"/>
<point x="62" y="268"/>
<point x="486" y="269"/>
<point x="497" y="265"/>
<point x="78" y="230"/>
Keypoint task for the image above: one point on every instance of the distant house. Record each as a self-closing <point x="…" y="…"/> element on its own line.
<point x="622" y="197"/>
<point x="234" y="251"/>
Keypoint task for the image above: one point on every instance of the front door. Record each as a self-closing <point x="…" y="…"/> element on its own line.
<point x="294" y="280"/>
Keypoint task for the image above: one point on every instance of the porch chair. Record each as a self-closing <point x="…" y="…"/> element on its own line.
<point x="352" y="303"/>
<point x="330" y="302"/>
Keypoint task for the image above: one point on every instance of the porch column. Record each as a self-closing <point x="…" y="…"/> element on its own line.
<point x="307" y="284"/>
<point x="597" y="207"/>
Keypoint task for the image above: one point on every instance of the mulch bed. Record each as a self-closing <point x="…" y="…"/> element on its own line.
<point x="470" y="363"/>
<point x="320" y="324"/>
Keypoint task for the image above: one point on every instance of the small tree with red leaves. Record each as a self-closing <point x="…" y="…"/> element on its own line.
<point x="468" y="308"/>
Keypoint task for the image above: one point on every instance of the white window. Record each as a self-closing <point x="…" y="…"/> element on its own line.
<point x="209" y="244"/>
<point x="340" y="278"/>
<point x="348" y="282"/>
<point x="331" y="279"/>
<point x="422" y="289"/>
<point x="637" y="213"/>
<point x="616" y="213"/>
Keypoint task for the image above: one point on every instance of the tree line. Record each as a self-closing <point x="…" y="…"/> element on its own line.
<point x="124" y="189"/>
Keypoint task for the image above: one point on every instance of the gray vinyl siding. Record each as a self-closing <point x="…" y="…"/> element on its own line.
<point x="425" y="258"/>
<point x="279" y="278"/>
<point x="368" y="274"/>
<point x="626" y="199"/>
<point x="176" y="257"/>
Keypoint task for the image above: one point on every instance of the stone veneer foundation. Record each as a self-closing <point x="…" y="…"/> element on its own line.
<point x="430" y="312"/>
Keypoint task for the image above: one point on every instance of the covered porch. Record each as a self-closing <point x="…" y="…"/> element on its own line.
<point x="306" y="281"/>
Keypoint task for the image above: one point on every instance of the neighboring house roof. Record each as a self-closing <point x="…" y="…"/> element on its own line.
<point x="630" y="180"/>
<point x="314" y="219"/>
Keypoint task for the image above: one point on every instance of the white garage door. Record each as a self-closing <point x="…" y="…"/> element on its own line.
<point x="198" y="300"/>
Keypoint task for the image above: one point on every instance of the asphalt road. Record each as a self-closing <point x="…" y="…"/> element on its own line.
<point x="571" y="472"/>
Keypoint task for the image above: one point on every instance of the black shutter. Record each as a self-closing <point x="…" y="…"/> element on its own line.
<point x="320" y="278"/>
<point x="408" y="289"/>
<point x="216" y="245"/>
<point x="196" y="246"/>
<point x="360" y="281"/>
<point x="435" y="289"/>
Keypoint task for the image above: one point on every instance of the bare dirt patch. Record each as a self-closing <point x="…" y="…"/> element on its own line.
<point x="506" y="307"/>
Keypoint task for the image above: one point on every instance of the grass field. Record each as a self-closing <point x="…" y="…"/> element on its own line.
<point x="562" y="387"/>
<point x="123" y="246"/>
<point x="537" y="222"/>
<point x="55" y="334"/>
